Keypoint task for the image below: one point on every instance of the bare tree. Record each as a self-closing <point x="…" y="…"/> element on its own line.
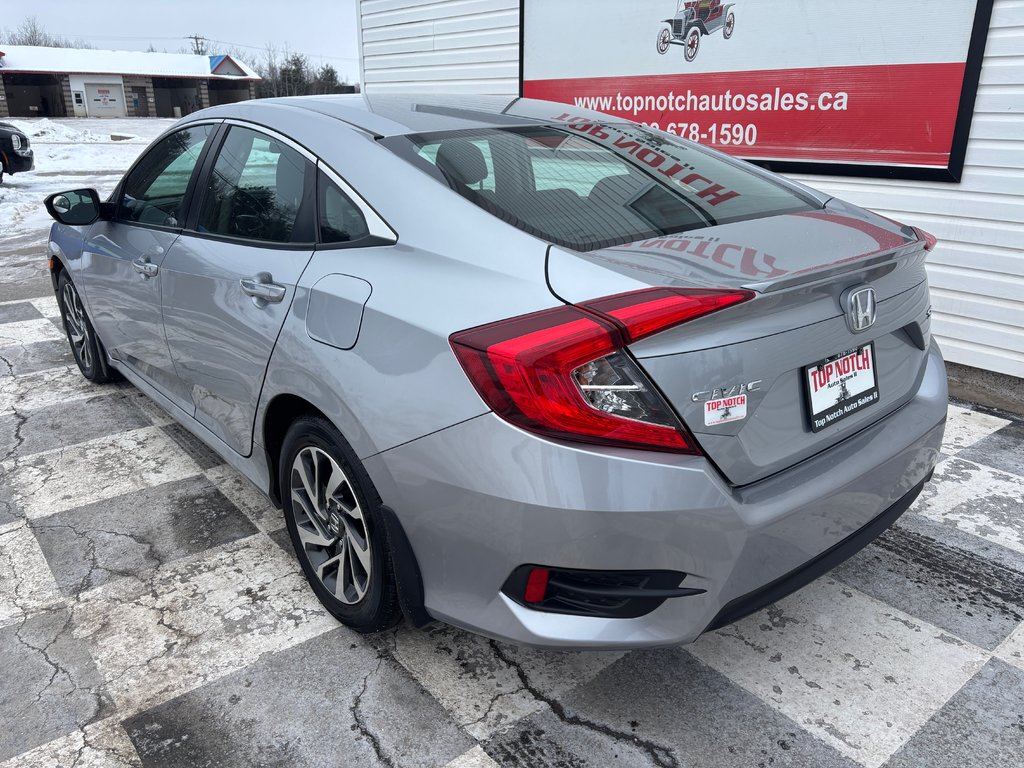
<point x="31" y="32"/>
<point x="269" y="72"/>
<point x="283" y="73"/>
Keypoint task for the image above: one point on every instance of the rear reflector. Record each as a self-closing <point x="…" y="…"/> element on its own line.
<point x="536" y="585"/>
<point x="564" y="372"/>
<point x="605" y="594"/>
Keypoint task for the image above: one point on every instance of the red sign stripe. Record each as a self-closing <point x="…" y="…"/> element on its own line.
<point x="895" y="114"/>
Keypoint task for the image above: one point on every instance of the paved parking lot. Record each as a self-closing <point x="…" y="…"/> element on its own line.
<point x="151" y="612"/>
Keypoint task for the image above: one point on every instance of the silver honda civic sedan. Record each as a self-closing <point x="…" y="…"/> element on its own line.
<point x="533" y="371"/>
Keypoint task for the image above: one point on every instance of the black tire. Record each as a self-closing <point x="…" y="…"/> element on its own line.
<point x="85" y="345"/>
<point x="310" y="439"/>
<point x="730" y="25"/>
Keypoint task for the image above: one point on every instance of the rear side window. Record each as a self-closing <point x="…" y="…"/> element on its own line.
<point x="259" y="189"/>
<point x="154" y="191"/>
<point x="589" y="186"/>
<point x="340" y="220"/>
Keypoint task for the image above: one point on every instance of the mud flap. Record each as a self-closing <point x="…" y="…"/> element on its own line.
<point x="408" y="580"/>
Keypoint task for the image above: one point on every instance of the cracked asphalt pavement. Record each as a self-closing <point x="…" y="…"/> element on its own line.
<point x="152" y="613"/>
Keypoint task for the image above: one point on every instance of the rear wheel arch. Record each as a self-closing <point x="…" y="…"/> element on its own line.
<point x="280" y="414"/>
<point x="334" y="516"/>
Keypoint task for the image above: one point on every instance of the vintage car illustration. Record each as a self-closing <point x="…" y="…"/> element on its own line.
<point x="694" y="19"/>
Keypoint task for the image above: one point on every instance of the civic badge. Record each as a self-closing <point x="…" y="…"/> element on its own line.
<point x="859" y="303"/>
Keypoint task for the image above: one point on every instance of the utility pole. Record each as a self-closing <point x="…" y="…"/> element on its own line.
<point x="198" y="44"/>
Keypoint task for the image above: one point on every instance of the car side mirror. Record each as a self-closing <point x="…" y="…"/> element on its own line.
<point x="77" y="208"/>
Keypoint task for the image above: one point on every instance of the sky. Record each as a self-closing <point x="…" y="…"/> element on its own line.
<point x="324" y="31"/>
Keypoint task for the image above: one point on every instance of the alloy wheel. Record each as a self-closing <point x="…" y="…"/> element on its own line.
<point x="330" y="524"/>
<point x="78" y="328"/>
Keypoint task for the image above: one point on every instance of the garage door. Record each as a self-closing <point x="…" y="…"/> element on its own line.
<point x="105" y="100"/>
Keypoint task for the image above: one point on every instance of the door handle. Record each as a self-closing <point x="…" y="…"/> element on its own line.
<point x="145" y="267"/>
<point x="262" y="289"/>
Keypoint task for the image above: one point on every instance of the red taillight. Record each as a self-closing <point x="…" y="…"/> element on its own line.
<point x="643" y="313"/>
<point x="562" y="372"/>
<point x="536" y="585"/>
<point x="930" y="241"/>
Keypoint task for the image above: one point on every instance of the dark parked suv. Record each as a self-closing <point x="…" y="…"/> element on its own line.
<point x="15" y="153"/>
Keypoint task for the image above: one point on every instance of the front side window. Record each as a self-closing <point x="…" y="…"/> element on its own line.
<point x="154" y="191"/>
<point x="259" y="189"/>
<point x="590" y="185"/>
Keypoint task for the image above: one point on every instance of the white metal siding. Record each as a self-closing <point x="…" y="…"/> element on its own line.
<point x="977" y="272"/>
<point x="456" y="46"/>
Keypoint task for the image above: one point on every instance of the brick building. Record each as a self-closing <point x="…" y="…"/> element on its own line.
<point x="69" y="82"/>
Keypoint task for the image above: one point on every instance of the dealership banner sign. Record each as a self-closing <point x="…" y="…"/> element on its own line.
<point x="873" y="87"/>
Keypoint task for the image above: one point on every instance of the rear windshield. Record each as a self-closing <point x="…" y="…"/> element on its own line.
<point x="589" y="186"/>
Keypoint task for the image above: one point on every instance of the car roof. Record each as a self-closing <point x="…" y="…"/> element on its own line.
<point x="402" y="113"/>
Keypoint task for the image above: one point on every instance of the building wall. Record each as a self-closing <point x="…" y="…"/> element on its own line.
<point x="65" y="94"/>
<point x="465" y="46"/>
<point x="76" y="86"/>
<point x="977" y="271"/>
<point x="88" y="85"/>
<point x="3" y="99"/>
<point x="204" y="94"/>
<point x="143" y="86"/>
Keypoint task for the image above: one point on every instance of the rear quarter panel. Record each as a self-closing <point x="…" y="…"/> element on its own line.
<point x="401" y="380"/>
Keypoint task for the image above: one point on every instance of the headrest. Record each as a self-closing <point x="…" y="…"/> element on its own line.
<point x="613" y="190"/>
<point x="461" y="161"/>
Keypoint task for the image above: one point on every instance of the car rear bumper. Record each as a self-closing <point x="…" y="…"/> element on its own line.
<point x="481" y="498"/>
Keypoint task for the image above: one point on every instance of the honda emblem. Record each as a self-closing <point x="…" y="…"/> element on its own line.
<point x="860" y="308"/>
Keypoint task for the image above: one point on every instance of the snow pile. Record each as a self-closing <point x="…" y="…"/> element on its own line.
<point x="70" y="154"/>
<point x="50" y="132"/>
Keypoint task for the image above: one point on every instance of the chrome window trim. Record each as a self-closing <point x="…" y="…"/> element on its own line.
<point x="257" y="128"/>
<point x="376" y="226"/>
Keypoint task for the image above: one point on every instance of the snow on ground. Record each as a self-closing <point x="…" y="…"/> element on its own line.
<point x="70" y="154"/>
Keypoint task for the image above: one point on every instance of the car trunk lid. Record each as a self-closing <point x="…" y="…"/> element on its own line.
<point x="751" y="361"/>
